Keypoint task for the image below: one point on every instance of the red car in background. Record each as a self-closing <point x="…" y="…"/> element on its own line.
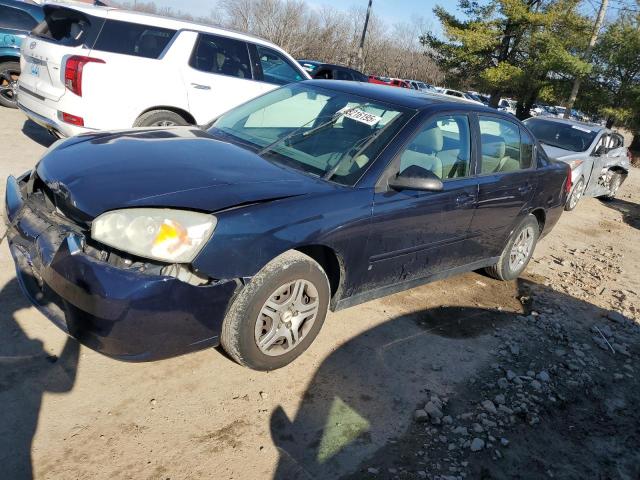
<point x="393" y="82"/>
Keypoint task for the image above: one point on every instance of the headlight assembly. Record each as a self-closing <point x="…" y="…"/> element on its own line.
<point x="174" y="236"/>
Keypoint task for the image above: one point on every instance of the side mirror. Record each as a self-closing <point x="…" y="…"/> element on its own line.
<point x="601" y="150"/>
<point x="416" y="178"/>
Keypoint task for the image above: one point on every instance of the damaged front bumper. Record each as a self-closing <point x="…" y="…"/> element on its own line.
<point x="123" y="313"/>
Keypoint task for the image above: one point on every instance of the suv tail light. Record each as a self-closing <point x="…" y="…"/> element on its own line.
<point x="72" y="119"/>
<point x="73" y="72"/>
<point x="567" y="183"/>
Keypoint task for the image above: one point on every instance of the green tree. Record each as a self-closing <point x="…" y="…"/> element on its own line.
<point x="511" y="47"/>
<point x="617" y="71"/>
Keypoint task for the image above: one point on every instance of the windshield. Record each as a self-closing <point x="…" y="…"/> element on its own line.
<point x="562" y="135"/>
<point x="326" y="133"/>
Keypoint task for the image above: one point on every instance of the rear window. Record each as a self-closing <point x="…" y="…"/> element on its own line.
<point x="67" y="27"/>
<point x="133" y="39"/>
<point x="14" y="19"/>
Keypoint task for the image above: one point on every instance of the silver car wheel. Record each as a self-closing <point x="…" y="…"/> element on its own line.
<point x="286" y="317"/>
<point x="576" y="195"/>
<point x="521" y="249"/>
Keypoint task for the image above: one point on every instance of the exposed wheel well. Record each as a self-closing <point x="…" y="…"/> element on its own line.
<point x="330" y="263"/>
<point x="178" y="111"/>
<point x="540" y="216"/>
<point x="7" y="58"/>
<point x="619" y="169"/>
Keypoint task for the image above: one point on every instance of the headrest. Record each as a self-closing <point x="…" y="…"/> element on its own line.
<point x="496" y="149"/>
<point x="430" y="140"/>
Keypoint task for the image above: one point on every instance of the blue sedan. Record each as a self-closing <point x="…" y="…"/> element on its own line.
<point x="321" y="195"/>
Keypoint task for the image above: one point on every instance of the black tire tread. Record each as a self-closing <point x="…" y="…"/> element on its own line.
<point x="12" y="66"/>
<point x="152" y="116"/>
<point x="230" y="333"/>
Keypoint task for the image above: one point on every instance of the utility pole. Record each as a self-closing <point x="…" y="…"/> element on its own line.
<point x="364" y="34"/>
<point x="587" y="56"/>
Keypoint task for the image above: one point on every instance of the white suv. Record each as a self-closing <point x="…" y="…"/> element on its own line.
<point x="90" y="68"/>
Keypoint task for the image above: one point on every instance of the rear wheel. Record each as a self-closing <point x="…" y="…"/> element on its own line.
<point x="9" y="73"/>
<point x="160" y="118"/>
<point x="278" y="314"/>
<point x="575" y="196"/>
<point x="518" y="251"/>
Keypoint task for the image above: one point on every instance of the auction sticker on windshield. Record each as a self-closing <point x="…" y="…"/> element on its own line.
<point x="581" y="129"/>
<point x="362" y="116"/>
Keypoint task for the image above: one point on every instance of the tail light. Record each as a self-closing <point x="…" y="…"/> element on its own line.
<point x="72" y="119"/>
<point x="73" y="72"/>
<point x="567" y="183"/>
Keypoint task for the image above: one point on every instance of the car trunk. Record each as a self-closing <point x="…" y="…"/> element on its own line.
<point x="63" y="32"/>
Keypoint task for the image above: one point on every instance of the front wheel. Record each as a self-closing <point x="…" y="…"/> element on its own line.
<point x="278" y="314"/>
<point x="9" y="73"/>
<point x="575" y="196"/>
<point x="518" y="251"/>
<point x="614" y="185"/>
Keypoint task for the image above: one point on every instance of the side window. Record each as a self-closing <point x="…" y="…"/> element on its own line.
<point x="276" y="68"/>
<point x="442" y="146"/>
<point x="343" y="75"/>
<point x="324" y="74"/>
<point x="221" y="55"/>
<point x="526" y="149"/>
<point x="15" y="19"/>
<point x="133" y="39"/>
<point x="501" y="148"/>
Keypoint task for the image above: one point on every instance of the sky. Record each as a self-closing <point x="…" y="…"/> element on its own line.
<point x="392" y="11"/>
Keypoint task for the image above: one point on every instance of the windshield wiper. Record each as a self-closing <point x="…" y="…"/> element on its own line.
<point x="361" y="145"/>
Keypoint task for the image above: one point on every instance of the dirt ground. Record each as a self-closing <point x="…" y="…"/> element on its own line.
<point x="463" y="378"/>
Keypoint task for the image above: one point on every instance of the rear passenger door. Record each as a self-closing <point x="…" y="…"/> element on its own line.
<point x="219" y="77"/>
<point x="506" y="181"/>
<point x="416" y="233"/>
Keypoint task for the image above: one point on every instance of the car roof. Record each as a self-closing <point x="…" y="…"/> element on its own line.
<point x="591" y="126"/>
<point x="33" y="8"/>
<point x="160" y="21"/>
<point x="402" y="97"/>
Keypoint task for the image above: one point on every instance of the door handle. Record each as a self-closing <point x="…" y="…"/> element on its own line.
<point x="200" y="87"/>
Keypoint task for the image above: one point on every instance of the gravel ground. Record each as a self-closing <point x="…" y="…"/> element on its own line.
<point x="463" y="378"/>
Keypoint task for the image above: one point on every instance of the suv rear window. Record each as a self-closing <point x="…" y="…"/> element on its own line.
<point x="133" y="39"/>
<point x="67" y="27"/>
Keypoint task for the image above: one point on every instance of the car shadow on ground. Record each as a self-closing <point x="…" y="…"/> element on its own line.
<point x="630" y="211"/>
<point x="361" y="400"/>
<point x="27" y="372"/>
<point x="37" y="133"/>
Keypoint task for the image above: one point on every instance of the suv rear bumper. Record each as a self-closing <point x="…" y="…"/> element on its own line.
<point x="47" y="117"/>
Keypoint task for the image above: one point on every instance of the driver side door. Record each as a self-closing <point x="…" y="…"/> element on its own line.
<point x="415" y="234"/>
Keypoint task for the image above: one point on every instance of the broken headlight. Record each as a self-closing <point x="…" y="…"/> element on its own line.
<point x="174" y="236"/>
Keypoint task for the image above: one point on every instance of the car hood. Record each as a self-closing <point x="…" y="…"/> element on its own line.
<point x="173" y="168"/>
<point x="562" y="154"/>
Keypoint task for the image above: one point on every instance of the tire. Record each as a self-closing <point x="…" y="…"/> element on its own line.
<point x="160" y="118"/>
<point x="614" y="186"/>
<point x="505" y="269"/>
<point x="245" y="323"/>
<point x="575" y="196"/>
<point x="9" y="73"/>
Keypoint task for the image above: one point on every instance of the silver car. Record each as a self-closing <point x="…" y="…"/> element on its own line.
<point x="597" y="156"/>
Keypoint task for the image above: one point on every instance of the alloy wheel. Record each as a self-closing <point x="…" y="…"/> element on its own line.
<point x="521" y="249"/>
<point x="286" y="317"/>
<point x="576" y="195"/>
